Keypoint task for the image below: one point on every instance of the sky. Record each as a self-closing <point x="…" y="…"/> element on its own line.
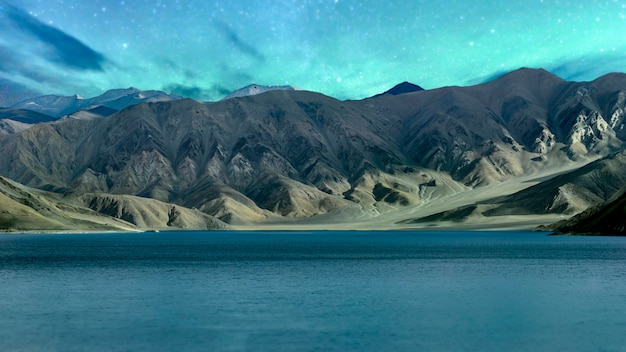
<point x="347" y="49"/>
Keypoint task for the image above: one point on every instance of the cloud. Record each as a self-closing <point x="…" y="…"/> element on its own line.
<point x="196" y="92"/>
<point x="232" y="74"/>
<point x="583" y="68"/>
<point x="170" y="64"/>
<point x="65" y="49"/>
<point x="488" y="78"/>
<point x="244" y="47"/>
<point x="12" y="92"/>
<point x="590" y="67"/>
<point x="16" y="63"/>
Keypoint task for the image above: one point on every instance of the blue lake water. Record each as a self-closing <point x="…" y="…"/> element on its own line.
<point x="312" y="291"/>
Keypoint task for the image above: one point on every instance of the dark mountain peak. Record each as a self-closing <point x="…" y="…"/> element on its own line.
<point x="529" y="75"/>
<point x="402" y="88"/>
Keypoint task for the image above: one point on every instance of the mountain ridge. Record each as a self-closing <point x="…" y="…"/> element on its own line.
<point x="254" y="89"/>
<point x="59" y="106"/>
<point x="283" y="156"/>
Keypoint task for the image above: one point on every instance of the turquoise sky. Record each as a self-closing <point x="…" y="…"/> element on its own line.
<point x="346" y="49"/>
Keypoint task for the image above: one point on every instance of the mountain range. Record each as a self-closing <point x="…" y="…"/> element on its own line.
<point x="49" y="108"/>
<point x="522" y="150"/>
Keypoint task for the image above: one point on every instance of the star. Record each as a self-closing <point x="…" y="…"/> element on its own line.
<point x="233" y="44"/>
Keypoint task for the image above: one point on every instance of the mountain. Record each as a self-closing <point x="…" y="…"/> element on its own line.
<point x="566" y="193"/>
<point x="99" y="111"/>
<point x="8" y="126"/>
<point x="16" y="120"/>
<point x="608" y="219"/>
<point x="255" y="89"/>
<point x="24" y="116"/>
<point x="117" y="99"/>
<point x="524" y="149"/>
<point x="402" y="88"/>
<point x="23" y="208"/>
<point x="50" y="108"/>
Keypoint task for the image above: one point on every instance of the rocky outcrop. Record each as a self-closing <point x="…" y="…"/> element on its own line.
<point x="608" y="219"/>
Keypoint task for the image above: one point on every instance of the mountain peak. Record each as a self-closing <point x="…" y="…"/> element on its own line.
<point x="402" y="88"/>
<point x="254" y="89"/>
<point x="530" y="73"/>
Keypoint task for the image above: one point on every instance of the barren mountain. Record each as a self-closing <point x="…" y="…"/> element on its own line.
<point x="23" y="208"/>
<point x="296" y="154"/>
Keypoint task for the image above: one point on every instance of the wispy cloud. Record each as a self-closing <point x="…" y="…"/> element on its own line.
<point x="13" y="92"/>
<point x="64" y="49"/>
<point x="14" y="62"/>
<point x="590" y="67"/>
<point x="196" y="92"/>
<point x="489" y="77"/>
<point x="239" y="43"/>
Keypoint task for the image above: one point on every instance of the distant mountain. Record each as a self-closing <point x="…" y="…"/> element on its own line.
<point x="402" y="88"/>
<point x="117" y="99"/>
<point x="255" y="89"/>
<point x="99" y="111"/>
<point x="16" y="120"/>
<point x="24" y="116"/>
<point x="521" y="146"/>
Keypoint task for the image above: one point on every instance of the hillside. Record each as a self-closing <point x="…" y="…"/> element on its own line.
<point x="26" y="209"/>
<point x="608" y="219"/>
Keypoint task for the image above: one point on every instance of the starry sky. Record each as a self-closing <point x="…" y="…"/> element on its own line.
<point x="348" y="49"/>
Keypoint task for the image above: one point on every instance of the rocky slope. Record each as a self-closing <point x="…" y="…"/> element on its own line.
<point x="567" y="193"/>
<point x="608" y="219"/>
<point x="296" y="154"/>
<point x="23" y="208"/>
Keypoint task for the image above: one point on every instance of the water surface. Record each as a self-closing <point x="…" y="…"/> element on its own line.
<point x="312" y="291"/>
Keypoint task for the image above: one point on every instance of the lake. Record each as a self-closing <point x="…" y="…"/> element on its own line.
<point x="312" y="291"/>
